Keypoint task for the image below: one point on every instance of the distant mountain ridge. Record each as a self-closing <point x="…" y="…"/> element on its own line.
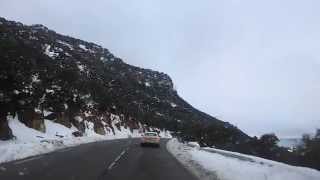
<point x="43" y="71"/>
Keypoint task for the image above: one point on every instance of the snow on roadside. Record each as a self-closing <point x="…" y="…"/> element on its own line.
<point x="30" y="142"/>
<point x="55" y="129"/>
<point x="181" y="152"/>
<point x="165" y="134"/>
<point x="220" y="165"/>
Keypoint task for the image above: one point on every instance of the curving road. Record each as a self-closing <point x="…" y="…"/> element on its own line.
<point x="110" y="160"/>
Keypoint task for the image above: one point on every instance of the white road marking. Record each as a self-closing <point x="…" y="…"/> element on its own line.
<point x="111" y="165"/>
<point x="26" y="160"/>
<point x="123" y="152"/>
<point x="117" y="159"/>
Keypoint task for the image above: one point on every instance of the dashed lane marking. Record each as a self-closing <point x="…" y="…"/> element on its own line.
<point x="117" y="159"/>
<point x="111" y="165"/>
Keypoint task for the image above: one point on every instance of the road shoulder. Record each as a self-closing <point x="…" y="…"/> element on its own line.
<point x="180" y="152"/>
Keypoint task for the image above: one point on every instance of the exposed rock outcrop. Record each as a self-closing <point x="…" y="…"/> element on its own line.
<point x="64" y="119"/>
<point x="32" y="119"/>
<point x="5" y="131"/>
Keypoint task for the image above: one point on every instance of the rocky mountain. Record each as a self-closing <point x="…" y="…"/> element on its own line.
<point x="44" y="74"/>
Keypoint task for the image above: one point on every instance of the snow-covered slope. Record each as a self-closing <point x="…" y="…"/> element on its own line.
<point x="209" y="163"/>
<point x="30" y="142"/>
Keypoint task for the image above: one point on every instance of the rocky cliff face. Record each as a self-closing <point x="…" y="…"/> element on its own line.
<point x="44" y="74"/>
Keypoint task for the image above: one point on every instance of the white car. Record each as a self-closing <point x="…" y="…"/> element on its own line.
<point x="150" y="138"/>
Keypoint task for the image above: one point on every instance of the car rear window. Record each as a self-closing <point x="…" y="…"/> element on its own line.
<point x="151" y="134"/>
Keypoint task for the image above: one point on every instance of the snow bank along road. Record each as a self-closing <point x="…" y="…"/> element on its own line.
<point x="209" y="164"/>
<point x="113" y="160"/>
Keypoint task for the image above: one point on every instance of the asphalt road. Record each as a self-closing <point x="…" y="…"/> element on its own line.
<point x="110" y="160"/>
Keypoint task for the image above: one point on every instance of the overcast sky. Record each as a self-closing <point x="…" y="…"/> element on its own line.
<point x="253" y="63"/>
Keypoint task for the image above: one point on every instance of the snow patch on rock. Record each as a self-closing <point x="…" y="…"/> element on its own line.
<point x="49" y="52"/>
<point x="78" y="119"/>
<point x="83" y="47"/>
<point x="147" y="84"/>
<point x="35" y="78"/>
<point x="65" y="44"/>
<point x="173" y="105"/>
<point x="81" y="67"/>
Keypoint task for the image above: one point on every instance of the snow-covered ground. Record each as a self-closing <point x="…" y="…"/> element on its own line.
<point x="210" y="163"/>
<point x="30" y="142"/>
